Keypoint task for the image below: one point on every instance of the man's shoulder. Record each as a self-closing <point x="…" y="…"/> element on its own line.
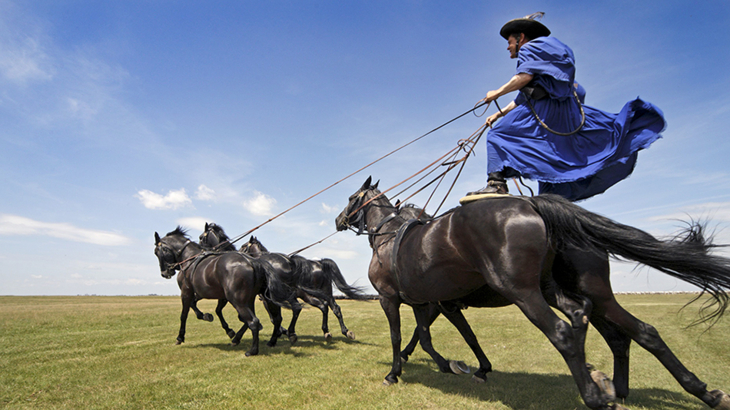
<point x="548" y="46"/>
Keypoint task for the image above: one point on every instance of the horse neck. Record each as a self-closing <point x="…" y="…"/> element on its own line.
<point x="189" y="250"/>
<point x="376" y="213"/>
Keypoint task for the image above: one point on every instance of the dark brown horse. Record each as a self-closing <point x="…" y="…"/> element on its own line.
<point x="306" y="275"/>
<point x="510" y="247"/>
<point x="228" y="276"/>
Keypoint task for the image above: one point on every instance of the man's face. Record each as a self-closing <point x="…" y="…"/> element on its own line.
<point x="512" y="46"/>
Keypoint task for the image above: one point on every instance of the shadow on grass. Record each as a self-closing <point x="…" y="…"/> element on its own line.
<point x="283" y="346"/>
<point x="522" y="390"/>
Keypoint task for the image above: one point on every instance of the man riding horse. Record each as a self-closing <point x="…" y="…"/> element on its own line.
<point x="548" y="135"/>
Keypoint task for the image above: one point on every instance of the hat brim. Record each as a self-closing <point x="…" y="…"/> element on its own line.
<point x="531" y="28"/>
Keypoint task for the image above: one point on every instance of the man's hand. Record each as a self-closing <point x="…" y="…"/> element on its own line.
<point x="492" y="118"/>
<point x="491" y="96"/>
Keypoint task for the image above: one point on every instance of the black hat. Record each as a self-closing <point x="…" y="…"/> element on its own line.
<point x="528" y="25"/>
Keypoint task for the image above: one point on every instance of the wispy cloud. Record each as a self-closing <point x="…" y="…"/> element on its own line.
<point x="205" y="194"/>
<point x="260" y="205"/>
<point x="173" y="199"/>
<point x="18" y="225"/>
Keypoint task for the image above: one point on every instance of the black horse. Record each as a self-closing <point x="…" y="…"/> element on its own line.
<point x="306" y="275"/>
<point x="228" y="276"/>
<point x="510" y="247"/>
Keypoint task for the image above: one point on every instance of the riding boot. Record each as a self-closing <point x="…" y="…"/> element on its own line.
<point x="496" y="184"/>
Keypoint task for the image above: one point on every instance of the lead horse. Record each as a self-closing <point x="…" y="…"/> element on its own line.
<point x="509" y="247"/>
<point x="228" y="276"/>
<point x="306" y="275"/>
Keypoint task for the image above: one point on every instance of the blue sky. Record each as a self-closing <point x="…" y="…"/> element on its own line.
<point x="119" y="119"/>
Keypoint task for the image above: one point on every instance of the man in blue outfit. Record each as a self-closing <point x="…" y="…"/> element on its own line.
<point x="548" y="135"/>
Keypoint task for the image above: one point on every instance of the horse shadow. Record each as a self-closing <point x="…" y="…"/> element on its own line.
<point x="521" y="390"/>
<point x="283" y="346"/>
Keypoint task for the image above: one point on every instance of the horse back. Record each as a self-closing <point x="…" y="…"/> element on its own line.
<point x="481" y="243"/>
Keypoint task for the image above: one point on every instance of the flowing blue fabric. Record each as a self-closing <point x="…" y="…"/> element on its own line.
<point x="581" y="165"/>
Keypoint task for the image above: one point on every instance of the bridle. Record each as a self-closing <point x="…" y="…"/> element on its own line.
<point x="177" y="255"/>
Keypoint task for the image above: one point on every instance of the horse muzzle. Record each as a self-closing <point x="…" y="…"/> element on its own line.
<point x="168" y="273"/>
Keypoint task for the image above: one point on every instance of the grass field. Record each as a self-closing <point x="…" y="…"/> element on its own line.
<point x="119" y="353"/>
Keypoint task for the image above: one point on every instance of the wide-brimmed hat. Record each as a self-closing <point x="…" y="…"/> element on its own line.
<point x="528" y="25"/>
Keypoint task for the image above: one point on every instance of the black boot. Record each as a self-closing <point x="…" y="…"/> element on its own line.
<point x="496" y="184"/>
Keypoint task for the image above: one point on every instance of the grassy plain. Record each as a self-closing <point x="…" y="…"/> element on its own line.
<point x="119" y="353"/>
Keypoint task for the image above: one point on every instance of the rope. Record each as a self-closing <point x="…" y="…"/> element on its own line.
<point x="478" y="105"/>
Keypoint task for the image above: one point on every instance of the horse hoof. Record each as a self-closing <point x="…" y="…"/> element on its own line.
<point x="724" y="403"/>
<point x="293" y="338"/>
<point x="350" y="335"/>
<point x="459" y="367"/>
<point x="234" y="344"/>
<point x="231" y="334"/>
<point x="208" y="317"/>
<point x="328" y="337"/>
<point x="605" y="384"/>
<point x="178" y="342"/>
<point x="617" y="406"/>
<point x="478" y="380"/>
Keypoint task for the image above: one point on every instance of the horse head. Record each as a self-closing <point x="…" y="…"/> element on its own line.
<point x="354" y="212"/>
<point x="169" y="251"/>
<point x="254" y="248"/>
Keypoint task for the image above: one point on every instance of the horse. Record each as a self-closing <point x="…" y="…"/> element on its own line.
<point x="509" y="247"/>
<point x="308" y="274"/>
<point x="228" y="276"/>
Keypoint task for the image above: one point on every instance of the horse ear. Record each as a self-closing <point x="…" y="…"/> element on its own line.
<point x="376" y="185"/>
<point x="366" y="185"/>
<point x="206" y="226"/>
<point x="157" y="238"/>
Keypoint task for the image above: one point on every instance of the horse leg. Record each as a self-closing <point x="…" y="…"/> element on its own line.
<point x="247" y="315"/>
<point x="391" y="307"/>
<point x="433" y="313"/>
<point x="274" y="311"/>
<point x="219" y="312"/>
<point x="322" y="306"/>
<point x="338" y="313"/>
<point x="422" y="318"/>
<point x="648" y="337"/>
<point x="453" y="313"/>
<point x="186" y="302"/>
<point x="198" y="314"/>
<point x="296" y="309"/>
<point x="565" y="340"/>
<point x="619" y="343"/>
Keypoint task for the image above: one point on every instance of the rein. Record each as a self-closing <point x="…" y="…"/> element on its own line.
<point x="477" y="106"/>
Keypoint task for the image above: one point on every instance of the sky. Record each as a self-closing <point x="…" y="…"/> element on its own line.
<point x="119" y="119"/>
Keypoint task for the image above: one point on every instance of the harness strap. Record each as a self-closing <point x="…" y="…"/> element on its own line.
<point x="402" y="232"/>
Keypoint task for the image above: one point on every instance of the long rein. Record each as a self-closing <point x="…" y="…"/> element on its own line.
<point x="477" y="106"/>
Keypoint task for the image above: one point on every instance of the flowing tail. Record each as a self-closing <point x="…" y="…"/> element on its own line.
<point x="277" y="290"/>
<point x="684" y="257"/>
<point x="333" y="272"/>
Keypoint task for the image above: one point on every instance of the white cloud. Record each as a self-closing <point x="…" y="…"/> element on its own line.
<point x="18" y="225"/>
<point x="326" y="209"/>
<point x="173" y="199"/>
<point x="204" y="193"/>
<point x="22" y="59"/>
<point x="197" y="223"/>
<point x="260" y="205"/>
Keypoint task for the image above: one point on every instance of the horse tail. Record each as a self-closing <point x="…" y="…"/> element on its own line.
<point x="303" y="270"/>
<point x="332" y="271"/>
<point x="685" y="257"/>
<point x="276" y="289"/>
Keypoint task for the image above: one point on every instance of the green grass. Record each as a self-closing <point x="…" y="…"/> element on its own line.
<point x="119" y="353"/>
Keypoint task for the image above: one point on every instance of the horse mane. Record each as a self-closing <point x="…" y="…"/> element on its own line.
<point x="254" y="241"/>
<point x="219" y="231"/>
<point x="411" y="211"/>
<point x="179" y="231"/>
